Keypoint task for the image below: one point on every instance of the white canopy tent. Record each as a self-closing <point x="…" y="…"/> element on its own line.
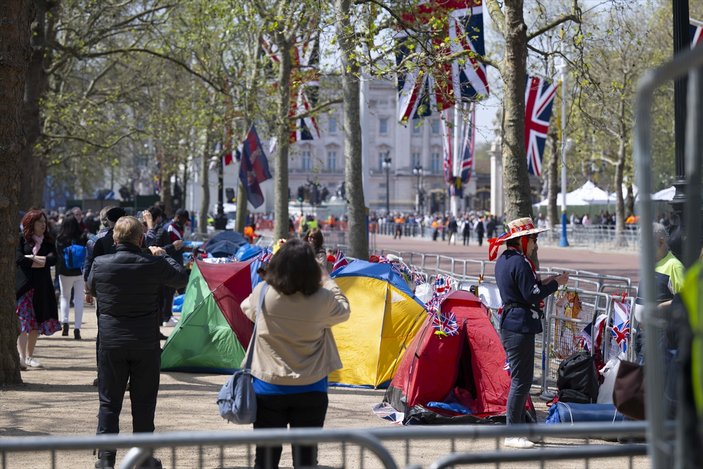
<point x="588" y="194"/>
<point x="665" y="194"/>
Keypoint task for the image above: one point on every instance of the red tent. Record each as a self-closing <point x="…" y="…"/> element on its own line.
<point x="467" y="368"/>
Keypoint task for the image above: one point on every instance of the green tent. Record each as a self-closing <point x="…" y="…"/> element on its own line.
<point x="213" y="333"/>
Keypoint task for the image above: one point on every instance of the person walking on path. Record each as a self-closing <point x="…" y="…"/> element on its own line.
<point x="294" y="349"/>
<point x="522" y="293"/>
<point x="34" y="289"/>
<point x="466" y="231"/>
<point x="480" y="230"/>
<point x="127" y="285"/>
<point x="452" y="229"/>
<point x="71" y="247"/>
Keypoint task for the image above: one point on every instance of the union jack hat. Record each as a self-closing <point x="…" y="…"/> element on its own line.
<point x="522" y="227"/>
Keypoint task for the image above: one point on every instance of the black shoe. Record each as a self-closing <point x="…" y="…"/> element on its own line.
<point x="151" y="463"/>
<point x="95" y="382"/>
<point x="65" y="330"/>
<point x="77" y="334"/>
<point x="105" y="463"/>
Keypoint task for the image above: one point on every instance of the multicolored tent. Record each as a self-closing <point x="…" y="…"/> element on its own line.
<point x="213" y="333"/>
<point x="385" y="316"/>
<point x="460" y="376"/>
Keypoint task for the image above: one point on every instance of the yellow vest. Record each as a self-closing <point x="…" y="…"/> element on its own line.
<point x="689" y="294"/>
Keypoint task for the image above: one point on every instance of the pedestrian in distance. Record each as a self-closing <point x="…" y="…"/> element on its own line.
<point x="522" y="293"/>
<point x="452" y="229"/>
<point x="71" y="253"/>
<point x="34" y="289"/>
<point x="294" y="349"/>
<point x="480" y="229"/>
<point x="127" y="285"/>
<point x="466" y="231"/>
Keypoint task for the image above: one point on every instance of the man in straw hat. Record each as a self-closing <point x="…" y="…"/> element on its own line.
<point x="522" y="293"/>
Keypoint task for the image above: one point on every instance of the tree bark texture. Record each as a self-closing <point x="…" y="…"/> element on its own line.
<point x="205" y="183"/>
<point x="15" y="50"/>
<point x="358" y="231"/>
<point x="34" y="169"/>
<point x="518" y="201"/>
<point x="553" y="171"/>
<point x="280" y="176"/>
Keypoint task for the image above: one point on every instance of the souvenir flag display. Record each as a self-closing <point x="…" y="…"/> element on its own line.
<point x="304" y="85"/>
<point x="442" y="284"/>
<point x="695" y="31"/>
<point x="253" y="168"/>
<point x="265" y="256"/>
<point x="339" y="261"/>
<point x="447" y="161"/>
<point x="423" y="87"/>
<point x="539" y="98"/>
<point x="467" y="147"/>
<point x="445" y="324"/>
<point x="621" y="324"/>
<point x="592" y="334"/>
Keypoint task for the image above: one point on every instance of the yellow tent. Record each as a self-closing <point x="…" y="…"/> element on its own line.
<point x="385" y="316"/>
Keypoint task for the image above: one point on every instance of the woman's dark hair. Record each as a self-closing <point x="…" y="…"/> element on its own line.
<point x="156" y="212"/>
<point x="294" y="269"/>
<point x="28" y="225"/>
<point x="315" y="235"/>
<point x="70" y="230"/>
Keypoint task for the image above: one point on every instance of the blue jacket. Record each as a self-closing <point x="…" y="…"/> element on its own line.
<point x="521" y="293"/>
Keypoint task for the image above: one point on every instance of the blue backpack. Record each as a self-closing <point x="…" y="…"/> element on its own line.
<point x="74" y="256"/>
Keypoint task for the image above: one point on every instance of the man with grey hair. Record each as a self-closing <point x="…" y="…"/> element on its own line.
<point x="127" y="286"/>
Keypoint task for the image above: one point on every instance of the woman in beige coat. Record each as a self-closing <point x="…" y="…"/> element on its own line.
<point x="294" y="348"/>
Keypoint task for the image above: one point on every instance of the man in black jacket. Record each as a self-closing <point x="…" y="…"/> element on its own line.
<point x="127" y="285"/>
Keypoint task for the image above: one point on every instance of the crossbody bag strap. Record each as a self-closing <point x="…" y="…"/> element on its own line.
<point x="259" y="307"/>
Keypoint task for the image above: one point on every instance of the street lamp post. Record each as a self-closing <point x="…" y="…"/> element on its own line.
<point x="387" y="167"/>
<point x="417" y="171"/>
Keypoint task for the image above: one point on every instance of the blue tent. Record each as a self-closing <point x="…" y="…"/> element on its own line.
<point x="381" y="271"/>
<point x="225" y="244"/>
<point x="247" y="251"/>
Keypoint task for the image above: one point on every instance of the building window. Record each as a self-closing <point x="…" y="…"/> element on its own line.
<point x="332" y="125"/>
<point x="436" y="162"/>
<point x="306" y="159"/>
<point x="332" y="160"/>
<point x="435" y="126"/>
<point x="383" y="125"/>
<point x="415" y="160"/>
<point x="417" y="128"/>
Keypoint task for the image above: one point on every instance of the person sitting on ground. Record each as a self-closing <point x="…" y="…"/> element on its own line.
<point x="294" y="349"/>
<point x="127" y="285"/>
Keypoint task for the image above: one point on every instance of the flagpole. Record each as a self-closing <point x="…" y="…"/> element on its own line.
<point x="456" y="158"/>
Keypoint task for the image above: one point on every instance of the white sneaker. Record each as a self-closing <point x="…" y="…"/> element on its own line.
<point x="171" y="322"/>
<point x="33" y="362"/>
<point x="519" y="443"/>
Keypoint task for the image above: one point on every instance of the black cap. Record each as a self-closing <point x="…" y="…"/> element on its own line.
<point x="115" y="214"/>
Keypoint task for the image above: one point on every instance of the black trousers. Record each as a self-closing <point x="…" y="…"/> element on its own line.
<point x="116" y="367"/>
<point x="306" y="409"/>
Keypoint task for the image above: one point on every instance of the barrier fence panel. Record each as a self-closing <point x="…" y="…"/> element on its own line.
<point x="382" y="447"/>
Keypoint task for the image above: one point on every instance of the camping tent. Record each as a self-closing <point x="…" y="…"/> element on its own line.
<point x="467" y="368"/>
<point x="225" y="244"/>
<point x="665" y="194"/>
<point x="588" y="194"/>
<point x="213" y="333"/>
<point x="385" y="316"/>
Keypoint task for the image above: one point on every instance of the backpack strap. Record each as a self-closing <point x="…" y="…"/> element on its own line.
<point x="259" y="307"/>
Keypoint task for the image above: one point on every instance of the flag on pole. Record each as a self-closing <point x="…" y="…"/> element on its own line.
<point x="539" y="98"/>
<point x="253" y="168"/>
<point x="422" y="89"/>
<point x="621" y="324"/>
<point x="467" y="147"/>
<point x="339" y="261"/>
<point x="447" y="162"/>
<point x="695" y="31"/>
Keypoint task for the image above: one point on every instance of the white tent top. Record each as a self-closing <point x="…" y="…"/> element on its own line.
<point x="588" y="194"/>
<point x="665" y="194"/>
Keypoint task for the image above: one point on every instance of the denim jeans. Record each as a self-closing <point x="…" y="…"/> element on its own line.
<point x="520" y="349"/>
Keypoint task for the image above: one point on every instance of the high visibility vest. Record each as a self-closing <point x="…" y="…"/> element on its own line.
<point x="689" y="294"/>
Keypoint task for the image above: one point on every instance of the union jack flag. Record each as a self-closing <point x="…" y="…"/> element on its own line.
<point x="447" y="161"/>
<point x="424" y="86"/>
<point x="467" y="147"/>
<point x="339" y="261"/>
<point x="304" y="85"/>
<point x="445" y="324"/>
<point x="621" y="324"/>
<point x="539" y="98"/>
<point x="695" y="31"/>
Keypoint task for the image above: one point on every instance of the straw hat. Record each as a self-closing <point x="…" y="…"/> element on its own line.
<point x="521" y="227"/>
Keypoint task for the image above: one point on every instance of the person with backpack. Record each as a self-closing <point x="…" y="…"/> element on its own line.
<point x="522" y="293"/>
<point x="71" y="253"/>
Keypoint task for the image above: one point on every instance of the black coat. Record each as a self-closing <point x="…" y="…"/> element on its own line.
<point x="27" y="278"/>
<point x="127" y="286"/>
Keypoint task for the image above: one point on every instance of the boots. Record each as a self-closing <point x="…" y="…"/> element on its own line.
<point x="65" y="330"/>
<point x="77" y="334"/>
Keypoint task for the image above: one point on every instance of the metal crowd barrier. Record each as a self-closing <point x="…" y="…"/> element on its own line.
<point x="395" y="447"/>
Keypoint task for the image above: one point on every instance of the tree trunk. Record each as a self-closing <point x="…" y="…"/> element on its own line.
<point x="280" y="176"/>
<point x="620" y="239"/>
<point x="205" y="183"/>
<point x="552" y="213"/>
<point x="358" y="231"/>
<point x="518" y="201"/>
<point x="15" y="18"/>
<point x="32" y="170"/>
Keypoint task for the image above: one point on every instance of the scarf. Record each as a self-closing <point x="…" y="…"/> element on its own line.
<point x="38" y="240"/>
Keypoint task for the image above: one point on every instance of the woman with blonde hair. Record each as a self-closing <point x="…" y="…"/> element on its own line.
<point x="34" y="289"/>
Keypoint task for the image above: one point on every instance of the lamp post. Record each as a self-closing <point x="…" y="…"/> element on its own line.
<point x="417" y="171"/>
<point x="386" y="163"/>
